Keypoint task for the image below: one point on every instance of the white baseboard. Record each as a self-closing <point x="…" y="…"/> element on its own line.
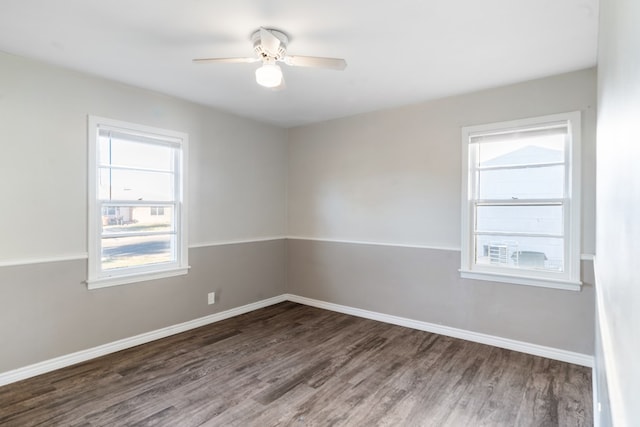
<point x="509" y="344"/>
<point x="102" y="350"/>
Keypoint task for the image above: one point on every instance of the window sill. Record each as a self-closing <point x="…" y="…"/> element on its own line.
<point x="133" y="278"/>
<point x="567" y="285"/>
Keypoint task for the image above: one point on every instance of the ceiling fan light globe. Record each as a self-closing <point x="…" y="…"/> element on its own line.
<point x="269" y="75"/>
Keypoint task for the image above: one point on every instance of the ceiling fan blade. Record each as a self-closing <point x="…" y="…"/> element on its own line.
<point x="316" y="62"/>
<point x="270" y="43"/>
<point x="226" y="60"/>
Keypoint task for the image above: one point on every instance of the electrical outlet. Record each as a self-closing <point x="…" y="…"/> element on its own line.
<point x="211" y="298"/>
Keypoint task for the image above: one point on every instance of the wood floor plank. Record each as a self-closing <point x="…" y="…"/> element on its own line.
<point x="294" y="365"/>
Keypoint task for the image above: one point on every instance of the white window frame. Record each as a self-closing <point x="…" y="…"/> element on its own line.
<point x="569" y="279"/>
<point x="98" y="278"/>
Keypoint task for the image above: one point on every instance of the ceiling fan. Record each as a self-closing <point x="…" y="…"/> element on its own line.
<point x="271" y="47"/>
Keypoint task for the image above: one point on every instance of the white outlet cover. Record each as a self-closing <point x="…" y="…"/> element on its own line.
<point x="211" y="297"/>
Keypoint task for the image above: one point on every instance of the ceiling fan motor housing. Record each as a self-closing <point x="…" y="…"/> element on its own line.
<point x="259" y="49"/>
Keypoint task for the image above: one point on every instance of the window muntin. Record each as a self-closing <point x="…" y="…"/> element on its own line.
<point x="521" y="201"/>
<point x="137" y="211"/>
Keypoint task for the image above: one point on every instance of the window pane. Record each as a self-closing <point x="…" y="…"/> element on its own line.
<point x="136" y="251"/>
<point x="137" y="219"/>
<point x="526" y="219"/>
<point x="526" y="183"/>
<point x="522" y="151"/>
<point x="117" y="184"/>
<point x="545" y="253"/>
<point x="116" y="151"/>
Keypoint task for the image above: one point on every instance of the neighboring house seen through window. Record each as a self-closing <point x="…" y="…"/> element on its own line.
<point x="137" y="207"/>
<point x="157" y="210"/>
<point x="521" y="201"/>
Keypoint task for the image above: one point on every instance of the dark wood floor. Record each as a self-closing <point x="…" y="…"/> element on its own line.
<point x="295" y="365"/>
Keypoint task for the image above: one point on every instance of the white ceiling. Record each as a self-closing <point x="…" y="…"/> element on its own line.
<point x="398" y="52"/>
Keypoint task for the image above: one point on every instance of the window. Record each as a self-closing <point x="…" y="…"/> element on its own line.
<point x="137" y="216"/>
<point x="521" y="201"/>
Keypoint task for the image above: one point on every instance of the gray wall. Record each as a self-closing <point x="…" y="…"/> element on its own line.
<point x="237" y="191"/>
<point x="237" y="167"/>
<point x="618" y="227"/>
<point x="394" y="178"/>
<point x="424" y="284"/>
<point x="47" y="311"/>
